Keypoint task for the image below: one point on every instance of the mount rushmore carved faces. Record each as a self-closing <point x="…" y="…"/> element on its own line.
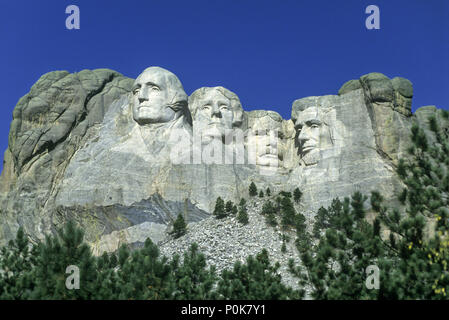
<point x="215" y="111"/>
<point x="314" y="132"/>
<point x="158" y="97"/>
<point x="264" y="137"/>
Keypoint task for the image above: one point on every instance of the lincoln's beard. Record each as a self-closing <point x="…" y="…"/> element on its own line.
<point x="312" y="157"/>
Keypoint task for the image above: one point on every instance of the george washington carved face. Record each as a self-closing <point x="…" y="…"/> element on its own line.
<point x="157" y="97"/>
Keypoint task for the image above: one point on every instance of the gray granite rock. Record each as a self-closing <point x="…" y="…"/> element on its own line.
<point x="119" y="156"/>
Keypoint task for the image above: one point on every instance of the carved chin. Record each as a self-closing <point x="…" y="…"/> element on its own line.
<point x="213" y="133"/>
<point x="269" y="160"/>
<point x="311" y="157"/>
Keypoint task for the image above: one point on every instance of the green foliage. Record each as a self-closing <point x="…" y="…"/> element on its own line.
<point x="261" y="194"/>
<point x="297" y="194"/>
<point x="53" y="258"/>
<point x="268" y="192"/>
<point x="271" y="220"/>
<point x="269" y="211"/>
<point x="257" y="279"/>
<point x="38" y="272"/>
<point x="445" y="114"/>
<point x="242" y="217"/>
<point x="229" y="207"/>
<point x="409" y="244"/>
<point x="412" y="262"/>
<point x="179" y="227"/>
<point x="192" y="279"/>
<point x="219" y="210"/>
<point x="15" y="260"/>
<point x="285" y="194"/>
<point x="268" y="208"/>
<point x="288" y="213"/>
<point x="143" y="274"/>
<point x="283" y="247"/>
<point x="252" y="190"/>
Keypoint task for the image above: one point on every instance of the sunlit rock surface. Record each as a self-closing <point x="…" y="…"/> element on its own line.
<point x="124" y="157"/>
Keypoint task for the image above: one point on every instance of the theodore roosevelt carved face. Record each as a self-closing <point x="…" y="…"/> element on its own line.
<point x="264" y="137"/>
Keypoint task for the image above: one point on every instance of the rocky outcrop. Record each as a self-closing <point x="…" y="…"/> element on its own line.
<point x="49" y="125"/>
<point x="389" y="104"/>
<point x="122" y="158"/>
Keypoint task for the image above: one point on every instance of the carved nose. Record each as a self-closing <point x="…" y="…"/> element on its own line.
<point x="142" y="99"/>
<point x="303" y="136"/>
<point x="272" y="141"/>
<point x="143" y="95"/>
<point x="216" y="112"/>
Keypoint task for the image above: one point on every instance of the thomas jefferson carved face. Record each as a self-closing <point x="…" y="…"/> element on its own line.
<point x="215" y="111"/>
<point x="214" y="114"/>
<point x="157" y="95"/>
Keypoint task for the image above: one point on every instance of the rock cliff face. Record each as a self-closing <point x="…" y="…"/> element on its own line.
<point x="124" y="157"/>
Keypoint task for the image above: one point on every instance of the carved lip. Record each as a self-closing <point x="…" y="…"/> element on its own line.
<point x="215" y="123"/>
<point x="307" y="148"/>
<point x="269" y="155"/>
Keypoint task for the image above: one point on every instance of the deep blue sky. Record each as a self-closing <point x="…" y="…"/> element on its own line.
<point x="269" y="52"/>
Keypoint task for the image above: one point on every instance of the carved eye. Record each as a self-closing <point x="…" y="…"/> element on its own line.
<point x="314" y="125"/>
<point x="206" y="107"/>
<point x="155" y="88"/>
<point x="136" y="91"/>
<point x="224" y="107"/>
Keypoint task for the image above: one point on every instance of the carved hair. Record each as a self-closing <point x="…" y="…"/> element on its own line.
<point x="239" y="115"/>
<point x="177" y="98"/>
<point x="323" y="112"/>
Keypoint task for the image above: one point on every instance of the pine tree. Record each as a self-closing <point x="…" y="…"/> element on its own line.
<point x="252" y="190"/>
<point x="144" y="275"/>
<point x="268" y="208"/>
<point x="297" y="194"/>
<point x="192" y="279"/>
<point x="287" y="212"/>
<point x="283" y="247"/>
<point x="55" y="255"/>
<point x="269" y="211"/>
<point x="229" y="207"/>
<point x="285" y="194"/>
<point x="278" y="204"/>
<point x="219" y="211"/>
<point x="242" y="217"/>
<point x="261" y="194"/>
<point x="257" y="279"/>
<point x="268" y="192"/>
<point x="179" y="227"/>
<point x="413" y="264"/>
<point x="16" y="262"/>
